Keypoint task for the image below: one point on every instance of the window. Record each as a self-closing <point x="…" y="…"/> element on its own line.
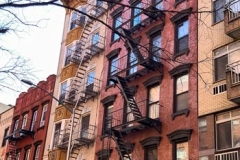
<point x="181" y="151"/>
<point x="181" y="36"/>
<point x="202" y="124"/>
<point x="181" y="93"/>
<point x="44" y="112"/>
<point x="24" y="123"/>
<point x="36" y="156"/>
<point x="56" y="134"/>
<point x="108" y="117"/>
<point x="136" y="18"/>
<point x="127" y="156"/>
<point x="226" y="56"/>
<point x="4" y="141"/>
<point x="218" y="7"/>
<point x="155" y="41"/>
<point x="18" y="156"/>
<point x="95" y="38"/>
<point x="77" y="19"/>
<point x="151" y="153"/>
<point x="128" y="115"/>
<point x="34" y="119"/>
<point x="73" y="20"/>
<point x="113" y="64"/>
<point x="117" y="21"/>
<point x="27" y="153"/>
<point x="228" y="129"/>
<point x="132" y="60"/>
<point x="157" y="4"/>
<point x="15" y="127"/>
<point x="153" y="101"/>
<point x="63" y="91"/>
<point x="90" y="78"/>
<point x="68" y="55"/>
<point x="85" y="126"/>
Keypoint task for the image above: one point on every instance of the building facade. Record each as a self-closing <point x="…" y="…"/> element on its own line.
<point x="27" y="132"/>
<point x="5" y="121"/>
<point x="73" y="124"/>
<point x="149" y="93"/>
<point x="219" y="82"/>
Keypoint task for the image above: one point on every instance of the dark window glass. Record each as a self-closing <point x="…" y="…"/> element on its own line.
<point x="108" y="117"/>
<point x="85" y="126"/>
<point x="5" y="135"/>
<point x="182" y="36"/>
<point x="113" y="67"/>
<point x="220" y="67"/>
<point x="218" y="10"/>
<point x="151" y="154"/>
<point x="155" y="47"/>
<point x="157" y="4"/>
<point x="117" y="21"/>
<point x="224" y="139"/>
<point x="181" y="93"/>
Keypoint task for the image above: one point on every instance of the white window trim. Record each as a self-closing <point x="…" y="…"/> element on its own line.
<point x="42" y="122"/>
<point x="24" y="124"/>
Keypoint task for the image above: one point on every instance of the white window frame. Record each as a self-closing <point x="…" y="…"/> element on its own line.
<point x="36" y="156"/>
<point x="34" y="119"/>
<point x="24" y="123"/>
<point x="229" y="119"/>
<point x="44" y="112"/>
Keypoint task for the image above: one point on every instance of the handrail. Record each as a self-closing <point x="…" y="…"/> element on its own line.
<point x="234" y="68"/>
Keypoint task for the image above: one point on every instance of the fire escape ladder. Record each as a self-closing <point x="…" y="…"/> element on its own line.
<point x="12" y="154"/>
<point x="133" y="45"/>
<point x="129" y="97"/>
<point x="123" y="148"/>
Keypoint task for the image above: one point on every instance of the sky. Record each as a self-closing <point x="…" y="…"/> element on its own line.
<point x="40" y="45"/>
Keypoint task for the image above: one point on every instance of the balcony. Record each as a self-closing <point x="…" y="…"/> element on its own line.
<point x="89" y="89"/>
<point x="233" y="82"/>
<point x="144" y="17"/>
<point x="96" y="44"/>
<point x="19" y="135"/>
<point x="227" y="156"/>
<point x="125" y="122"/>
<point x="99" y="9"/>
<point x="133" y="67"/>
<point x="232" y="20"/>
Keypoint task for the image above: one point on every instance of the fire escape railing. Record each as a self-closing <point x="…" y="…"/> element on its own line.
<point x="96" y="45"/>
<point x="121" y="118"/>
<point x="98" y="9"/>
<point x="233" y="9"/>
<point x="85" y="91"/>
<point x="234" y="68"/>
<point x="147" y="14"/>
<point x="150" y="61"/>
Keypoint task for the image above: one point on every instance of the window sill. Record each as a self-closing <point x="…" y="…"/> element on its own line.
<point x="178" y="113"/>
<point x="177" y="3"/>
<point x="227" y="150"/>
<point x="39" y="128"/>
<point x="117" y="40"/>
<point x="185" y="51"/>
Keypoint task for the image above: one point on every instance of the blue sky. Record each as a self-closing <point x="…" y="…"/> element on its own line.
<point x="41" y="45"/>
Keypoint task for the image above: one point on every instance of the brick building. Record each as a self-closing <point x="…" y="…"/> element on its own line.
<point x="27" y="133"/>
<point x="219" y="80"/>
<point x="149" y="97"/>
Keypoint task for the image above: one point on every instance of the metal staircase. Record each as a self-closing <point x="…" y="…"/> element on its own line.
<point x="77" y="94"/>
<point x="128" y="96"/>
<point x="123" y="148"/>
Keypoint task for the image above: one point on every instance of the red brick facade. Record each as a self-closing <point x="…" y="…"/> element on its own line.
<point x="181" y="122"/>
<point x="29" y="137"/>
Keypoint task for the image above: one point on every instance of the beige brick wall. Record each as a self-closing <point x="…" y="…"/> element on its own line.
<point x="210" y="37"/>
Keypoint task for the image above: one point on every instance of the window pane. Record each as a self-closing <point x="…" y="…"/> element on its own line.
<point x="95" y="38"/>
<point x="132" y="61"/>
<point x="218" y="9"/>
<point x="154" y="94"/>
<point x="182" y="43"/>
<point x="137" y="15"/>
<point x="182" y="84"/>
<point x="152" y="154"/>
<point x="182" y="101"/>
<point x="236" y="132"/>
<point x="117" y="23"/>
<point x="182" y="151"/>
<point x="156" y="44"/>
<point x="90" y="77"/>
<point x="224" y="139"/>
<point x="113" y="67"/>
<point x="27" y="154"/>
<point x="154" y="110"/>
<point x="63" y="87"/>
<point x="220" y="67"/>
<point x="183" y="29"/>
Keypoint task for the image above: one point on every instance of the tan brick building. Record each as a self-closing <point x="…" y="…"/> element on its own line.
<point x="72" y="126"/>
<point x="219" y="80"/>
